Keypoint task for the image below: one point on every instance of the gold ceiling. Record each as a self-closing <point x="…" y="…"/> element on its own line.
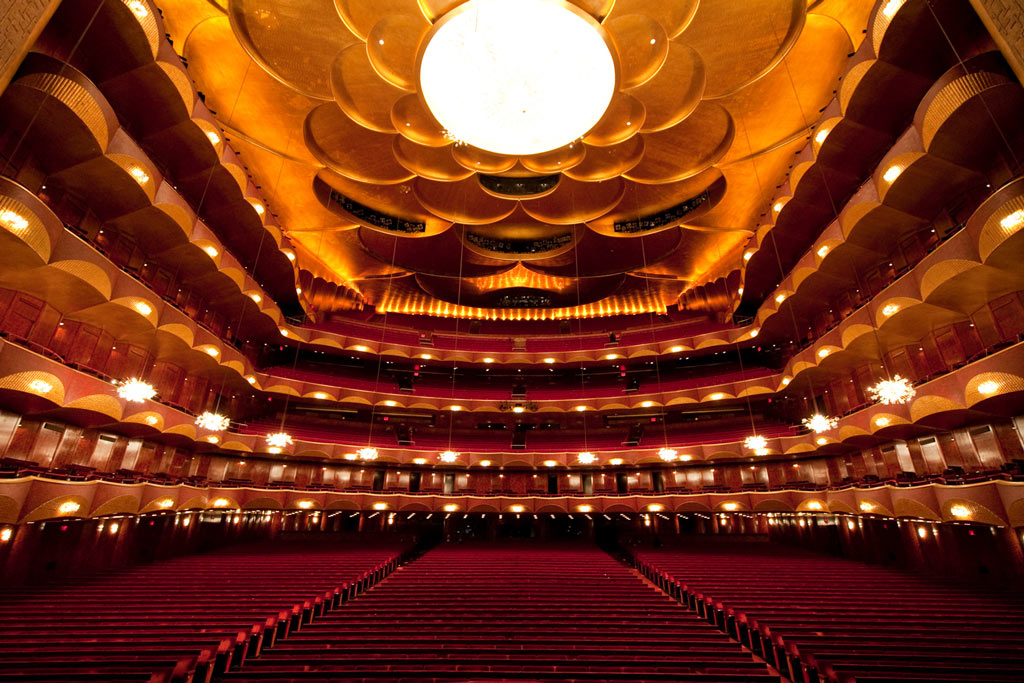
<point x="714" y="98"/>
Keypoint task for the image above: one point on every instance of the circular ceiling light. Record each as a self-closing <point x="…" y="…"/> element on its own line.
<point x="517" y="76"/>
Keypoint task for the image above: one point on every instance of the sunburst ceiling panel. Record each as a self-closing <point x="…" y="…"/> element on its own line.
<point x="711" y="100"/>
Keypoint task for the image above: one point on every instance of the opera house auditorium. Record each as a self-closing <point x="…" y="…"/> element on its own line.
<point x="597" y="341"/>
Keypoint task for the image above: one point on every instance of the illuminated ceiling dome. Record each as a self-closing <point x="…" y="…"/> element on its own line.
<point x="489" y="92"/>
<point x="630" y="146"/>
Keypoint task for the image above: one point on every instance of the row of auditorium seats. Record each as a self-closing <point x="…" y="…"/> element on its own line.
<point x="509" y="611"/>
<point x="823" y="618"/>
<point x="191" y="616"/>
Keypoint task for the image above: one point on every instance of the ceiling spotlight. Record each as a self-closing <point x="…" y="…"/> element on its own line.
<point x="730" y="506"/>
<point x="279" y="440"/>
<point x="780" y="298"/>
<point x="960" y="511"/>
<point x="646" y="404"/>
<point x="305" y="504"/>
<point x="892" y="391"/>
<point x="425" y="356"/>
<point x="361" y="348"/>
<point x="214" y="422"/>
<point x="256" y="297"/>
<point x="989" y="387"/>
<point x="250" y="379"/>
<point x="866" y="507"/>
<point x="140" y="176"/>
<point x="891" y="173"/>
<point x="814" y="505"/>
<point x="135" y="390"/>
<point x="823" y="353"/>
<point x="419" y="461"/>
<point x="822" y="251"/>
<point x="611" y="356"/>
<point x="211" y="251"/>
<point x="518" y="409"/>
<point x="516" y="508"/>
<point x="580" y="409"/>
<point x="821" y="441"/>
<point x="216" y="439"/>
<point x="13" y="220"/>
<point x="786" y="381"/>
<point x="615" y="461"/>
<point x="778" y="206"/>
<point x="448" y="456"/>
<point x="40" y="387"/>
<point x="821" y="135"/>
<point x="550" y="463"/>
<point x="819" y="423"/>
<point x="675" y="349"/>
<point x="213" y="137"/>
<point x="488" y="360"/>
<point x="143" y="308"/>
<point x="584" y="508"/>
<point x="320" y="395"/>
<point x="451" y="507"/>
<point x="891" y="8"/>
<point x="380" y="506"/>
<point x="655" y="507"/>
<point x="717" y="396"/>
<point x="1012" y="221"/>
<point x="221" y="503"/>
<point x="69" y="507"/>
<point x="455" y="409"/>
<point x="890" y="309"/>
<point x="484" y="463"/>
<point x="881" y="421"/>
<point x="747" y="255"/>
<point x="390" y="404"/>
<point x="549" y="361"/>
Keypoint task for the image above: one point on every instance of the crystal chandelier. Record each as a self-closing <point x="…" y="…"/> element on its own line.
<point x="367" y="453"/>
<point x="756" y="443"/>
<point x="892" y="391"/>
<point x="448" y="456"/>
<point x="214" y="422"/>
<point x="279" y="440"/>
<point x="819" y="423"/>
<point x="586" y="458"/>
<point x="135" y="390"/>
<point x="667" y="454"/>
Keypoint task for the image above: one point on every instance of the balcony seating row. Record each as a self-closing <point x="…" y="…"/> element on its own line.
<point x="437" y="388"/>
<point x="198" y="614"/>
<point x="508" y="611"/>
<point x="822" y="618"/>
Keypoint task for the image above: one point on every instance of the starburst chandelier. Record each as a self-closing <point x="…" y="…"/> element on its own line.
<point x="668" y="454"/>
<point x="448" y="456"/>
<point x="279" y="440"/>
<point x="586" y="458"/>
<point x="214" y="422"/>
<point x="756" y="443"/>
<point x="819" y="423"/>
<point x="892" y="391"/>
<point x="367" y="453"/>
<point x="135" y="390"/>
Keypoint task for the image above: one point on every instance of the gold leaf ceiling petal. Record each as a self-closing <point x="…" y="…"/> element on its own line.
<point x="392" y="46"/>
<point x="640" y="200"/>
<point x="642" y="45"/>
<point x="602" y="163"/>
<point x="797" y="89"/>
<point x="575" y="202"/>
<point x="556" y="160"/>
<point x="621" y="121"/>
<point x="434" y="163"/>
<point x="246" y="98"/>
<point x="398" y="199"/>
<point x="480" y="160"/>
<point x="290" y="47"/>
<point x="686" y="149"/>
<point x="413" y="120"/>
<point x="435" y="9"/>
<point x="675" y="91"/>
<point x="360" y="16"/>
<point x="461" y="202"/>
<point x="673" y="15"/>
<point x="741" y="41"/>
<point x="361" y="92"/>
<point x="351" y="150"/>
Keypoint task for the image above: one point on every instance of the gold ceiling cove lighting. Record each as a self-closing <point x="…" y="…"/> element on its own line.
<point x="487" y="91"/>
